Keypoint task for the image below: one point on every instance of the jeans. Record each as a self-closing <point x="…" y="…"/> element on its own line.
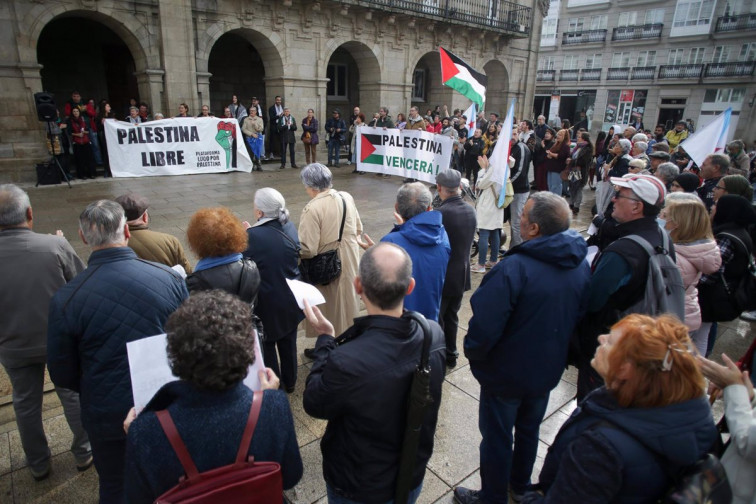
<point x="500" y="466"/>
<point x="495" y="237"/>
<point x="334" y="148"/>
<point x="287" y="351"/>
<point x="554" y="179"/>
<point x="28" y="383"/>
<point x="334" y="498"/>
<point x="516" y="207"/>
<point x="448" y="319"/>
<point x="109" y="458"/>
<point x="700" y="338"/>
<point x="95" y="142"/>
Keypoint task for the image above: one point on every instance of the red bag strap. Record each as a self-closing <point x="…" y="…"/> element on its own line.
<point x="178" y="445"/>
<point x="249" y="430"/>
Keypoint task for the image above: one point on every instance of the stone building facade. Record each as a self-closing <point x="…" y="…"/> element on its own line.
<point x="315" y="54"/>
<point x="660" y="60"/>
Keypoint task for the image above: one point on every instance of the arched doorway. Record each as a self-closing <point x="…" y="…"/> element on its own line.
<point x="498" y="87"/>
<point x="81" y="54"/>
<point x="237" y="68"/>
<point x="353" y="75"/>
<point x="427" y="89"/>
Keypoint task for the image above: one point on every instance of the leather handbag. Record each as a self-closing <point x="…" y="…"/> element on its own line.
<point x="244" y="481"/>
<point x="326" y="267"/>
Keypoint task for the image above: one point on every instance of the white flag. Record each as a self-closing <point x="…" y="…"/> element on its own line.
<point x="711" y="139"/>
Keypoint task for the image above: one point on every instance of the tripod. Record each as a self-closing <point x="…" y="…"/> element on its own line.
<point x="53" y="158"/>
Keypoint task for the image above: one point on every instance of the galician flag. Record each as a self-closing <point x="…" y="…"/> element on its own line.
<point x="499" y="160"/>
<point x="461" y="77"/>
<point x="710" y="139"/>
<point x="470" y="114"/>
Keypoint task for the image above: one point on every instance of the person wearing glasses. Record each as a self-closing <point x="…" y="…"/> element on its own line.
<point x="714" y="167"/>
<point x="620" y="269"/>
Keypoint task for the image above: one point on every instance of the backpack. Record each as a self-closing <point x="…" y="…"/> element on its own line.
<point x="244" y="481"/>
<point x="665" y="292"/>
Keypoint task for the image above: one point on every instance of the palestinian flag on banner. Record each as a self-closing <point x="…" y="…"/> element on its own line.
<point x="461" y="77"/>
<point x="368" y="154"/>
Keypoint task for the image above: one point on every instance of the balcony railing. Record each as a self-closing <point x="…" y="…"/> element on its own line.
<point x="590" y="74"/>
<point x="735" y="23"/>
<point x="500" y="16"/>
<point x="569" y="75"/>
<point x="545" y="75"/>
<point x="690" y="71"/>
<point x="618" y="73"/>
<point x="735" y="69"/>
<point x="647" y="31"/>
<point x="643" y="73"/>
<point x="583" y="37"/>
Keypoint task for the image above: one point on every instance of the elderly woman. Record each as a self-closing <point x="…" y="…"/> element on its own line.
<point x="218" y="238"/>
<point x="274" y="247"/>
<point x="733" y="184"/>
<point x="252" y="129"/>
<point x="319" y="232"/>
<point x="667" y="172"/>
<point x="210" y="348"/>
<point x="651" y="419"/>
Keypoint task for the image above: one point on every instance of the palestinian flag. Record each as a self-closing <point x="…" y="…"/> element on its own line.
<point x="368" y="154"/>
<point x="461" y="77"/>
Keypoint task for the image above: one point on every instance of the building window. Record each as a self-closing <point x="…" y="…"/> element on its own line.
<point x="599" y="22"/>
<point x="724" y="95"/>
<point x="721" y="54"/>
<point x="747" y="52"/>
<point x="418" y="85"/>
<point x="675" y="57"/>
<point x="570" y="62"/>
<point x="575" y="24"/>
<point x="693" y="12"/>
<point x="620" y="59"/>
<point x="627" y="18"/>
<point x="646" y="58"/>
<point x="593" y="61"/>
<point x="696" y="55"/>
<point x="337" y="81"/>
<point x="591" y="23"/>
<point x="654" y="16"/>
<point x="546" y="63"/>
<point x="550" y="28"/>
<point x="736" y="7"/>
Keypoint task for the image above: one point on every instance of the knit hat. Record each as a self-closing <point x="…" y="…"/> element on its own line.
<point x="688" y="181"/>
<point x="738" y="184"/>
<point x="647" y="187"/>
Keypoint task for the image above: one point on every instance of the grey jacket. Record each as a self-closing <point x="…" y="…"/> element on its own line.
<point x="33" y="267"/>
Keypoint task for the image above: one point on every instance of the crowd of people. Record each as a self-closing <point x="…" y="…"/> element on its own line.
<point x="642" y="414"/>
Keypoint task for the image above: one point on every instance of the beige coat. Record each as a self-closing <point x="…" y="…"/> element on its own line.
<point x="318" y="233"/>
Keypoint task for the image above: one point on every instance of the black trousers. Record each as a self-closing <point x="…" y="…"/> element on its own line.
<point x="448" y="319"/>
<point x="286" y="349"/>
<point x="291" y="146"/>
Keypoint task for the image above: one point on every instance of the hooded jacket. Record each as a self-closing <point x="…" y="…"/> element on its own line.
<point x="606" y="453"/>
<point x="425" y="240"/>
<point x="694" y="259"/>
<point x="523" y="315"/>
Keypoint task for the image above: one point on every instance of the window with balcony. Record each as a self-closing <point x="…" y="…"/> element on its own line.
<point x="721" y="54"/>
<point x="628" y="18"/>
<point x="646" y="59"/>
<point x="593" y="61"/>
<point x="692" y="17"/>
<point x="675" y="57"/>
<point x="546" y="63"/>
<point x="724" y="95"/>
<point x="621" y="59"/>
<point x="696" y="55"/>
<point x="736" y="7"/>
<point x="654" y="16"/>
<point x="577" y="24"/>
<point x="747" y="52"/>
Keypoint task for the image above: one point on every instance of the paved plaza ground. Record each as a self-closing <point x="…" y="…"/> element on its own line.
<point x="173" y="200"/>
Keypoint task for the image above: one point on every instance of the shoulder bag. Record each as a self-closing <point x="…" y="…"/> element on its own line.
<point x="326" y="267"/>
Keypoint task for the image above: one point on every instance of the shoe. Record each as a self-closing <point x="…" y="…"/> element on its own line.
<point x="282" y="167"/>
<point x="41" y="475"/>
<point x="309" y="353"/>
<point x="354" y="171"/>
<point x="83" y="466"/>
<point x="295" y="166"/>
<point x="464" y="495"/>
<point x="516" y="497"/>
<point x="451" y="360"/>
<point x="480" y="268"/>
<point x="491" y="264"/>
<point x="360" y="173"/>
<point x="748" y="316"/>
<point x="386" y="175"/>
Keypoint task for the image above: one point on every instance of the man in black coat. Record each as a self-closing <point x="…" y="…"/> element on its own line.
<point x="359" y="382"/>
<point x="459" y="221"/>
<point x="275" y="112"/>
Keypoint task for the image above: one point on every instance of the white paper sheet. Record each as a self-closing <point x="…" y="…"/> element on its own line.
<point x="303" y="290"/>
<point x="148" y="365"/>
<point x="592" y="251"/>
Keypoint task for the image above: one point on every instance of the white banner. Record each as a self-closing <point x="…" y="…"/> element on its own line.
<point x="178" y="146"/>
<point x="406" y="153"/>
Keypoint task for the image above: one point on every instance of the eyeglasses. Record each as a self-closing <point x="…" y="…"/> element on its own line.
<point x="617" y="195"/>
<point x="720" y="188"/>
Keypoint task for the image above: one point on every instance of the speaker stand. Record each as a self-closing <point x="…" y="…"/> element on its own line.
<point x="53" y="158"/>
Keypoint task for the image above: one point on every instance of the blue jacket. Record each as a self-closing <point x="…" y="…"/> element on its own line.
<point x="117" y="299"/>
<point x="606" y="453"/>
<point x="210" y="425"/>
<point x="523" y="315"/>
<point x="425" y="240"/>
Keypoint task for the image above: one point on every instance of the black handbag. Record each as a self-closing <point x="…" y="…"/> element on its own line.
<point x="326" y="267"/>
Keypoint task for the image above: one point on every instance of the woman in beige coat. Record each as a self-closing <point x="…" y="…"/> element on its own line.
<point x="319" y="232"/>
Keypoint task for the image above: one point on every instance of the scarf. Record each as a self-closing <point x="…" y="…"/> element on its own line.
<point x="212" y="262"/>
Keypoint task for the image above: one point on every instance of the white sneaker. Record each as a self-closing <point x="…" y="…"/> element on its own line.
<point x="479" y="268"/>
<point x="748" y="316"/>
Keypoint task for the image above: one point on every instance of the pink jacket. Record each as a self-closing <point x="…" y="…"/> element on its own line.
<point x="694" y="259"/>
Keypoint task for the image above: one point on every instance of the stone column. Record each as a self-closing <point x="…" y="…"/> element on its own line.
<point x="177" y="36"/>
<point x="151" y="89"/>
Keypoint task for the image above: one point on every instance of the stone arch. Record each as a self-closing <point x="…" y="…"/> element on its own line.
<point x="498" y="87"/>
<point x="266" y="44"/>
<point x="435" y="93"/>
<point x="362" y="65"/>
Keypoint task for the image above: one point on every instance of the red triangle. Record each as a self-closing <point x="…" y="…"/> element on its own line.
<point x="448" y="68"/>
<point x="367" y="148"/>
<point x="471" y="124"/>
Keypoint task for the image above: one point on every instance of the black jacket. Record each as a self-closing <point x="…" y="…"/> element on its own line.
<point x="360" y="386"/>
<point x="241" y="278"/>
<point x="277" y="259"/>
<point x="519" y="174"/>
<point x="459" y="221"/>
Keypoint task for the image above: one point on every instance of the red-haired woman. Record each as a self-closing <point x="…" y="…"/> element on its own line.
<point x="649" y="421"/>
